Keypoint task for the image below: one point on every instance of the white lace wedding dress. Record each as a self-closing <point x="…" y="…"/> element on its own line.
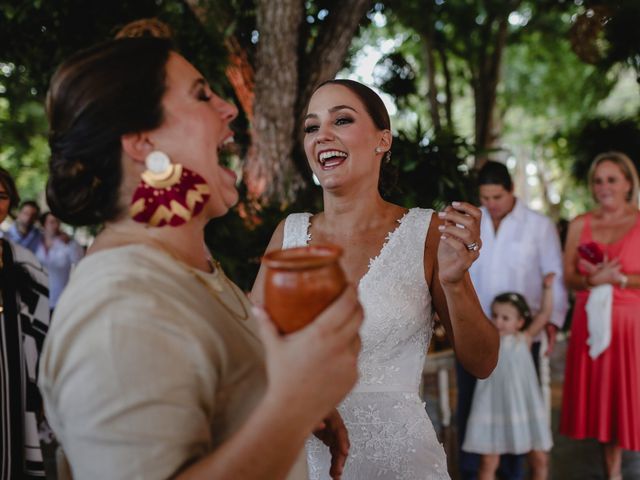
<point x="391" y="435"/>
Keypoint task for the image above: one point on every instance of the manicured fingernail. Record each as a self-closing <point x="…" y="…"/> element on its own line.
<point x="442" y="214"/>
<point x="455" y="204"/>
<point x="441" y="228"/>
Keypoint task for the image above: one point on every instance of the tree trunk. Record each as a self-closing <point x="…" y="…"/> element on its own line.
<point x="276" y="101"/>
<point x="241" y="76"/>
<point x="485" y="87"/>
<point x="271" y="173"/>
<point x="432" y="94"/>
<point x="448" y="103"/>
<point x="239" y="72"/>
<point x="329" y="50"/>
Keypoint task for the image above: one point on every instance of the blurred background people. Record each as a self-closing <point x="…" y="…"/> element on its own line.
<point x="24" y="231"/>
<point x="601" y="397"/>
<point x="519" y="248"/>
<point x="58" y="253"/>
<point x="24" y="313"/>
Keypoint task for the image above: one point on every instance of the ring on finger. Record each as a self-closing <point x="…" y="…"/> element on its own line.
<point x="473" y="246"/>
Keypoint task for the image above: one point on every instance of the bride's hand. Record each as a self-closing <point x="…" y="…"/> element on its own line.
<point x="333" y="434"/>
<point x="460" y="242"/>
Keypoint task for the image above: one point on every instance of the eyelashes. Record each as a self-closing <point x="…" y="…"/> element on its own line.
<point x="340" y="121"/>
<point x="204" y="96"/>
<point x="344" y="120"/>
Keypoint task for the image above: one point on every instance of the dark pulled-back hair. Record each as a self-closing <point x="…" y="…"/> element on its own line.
<point x="95" y="97"/>
<point x="520" y="304"/>
<point x="495" y="173"/>
<point x="372" y="102"/>
<point x="380" y="116"/>
<point x="10" y="187"/>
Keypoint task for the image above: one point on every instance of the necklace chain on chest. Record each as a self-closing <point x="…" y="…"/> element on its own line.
<point x="215" y="266"/>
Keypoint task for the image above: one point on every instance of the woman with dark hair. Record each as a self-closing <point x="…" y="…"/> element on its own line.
<point x="24" y="316"/>
<point x="601" y="396"/>
<point x="405" y="266"/>
<point x="154" y="367"/>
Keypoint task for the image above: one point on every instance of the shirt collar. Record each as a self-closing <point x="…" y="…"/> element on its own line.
<point x="518" y="211"/>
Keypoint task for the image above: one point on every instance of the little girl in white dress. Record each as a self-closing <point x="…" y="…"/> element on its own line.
<point x="508" y="414"/>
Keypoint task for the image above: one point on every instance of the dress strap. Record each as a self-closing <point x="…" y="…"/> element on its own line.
<point x="405" y="246"/>
<point x="586" y="235"/>
<point x="419" y="227"/>
<point x="296" y="230"/>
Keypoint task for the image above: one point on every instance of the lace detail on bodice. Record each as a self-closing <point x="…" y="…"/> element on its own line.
<point x="296" y="230"/>
<point x="390" y="432"/>
<point x="397" y="306"/>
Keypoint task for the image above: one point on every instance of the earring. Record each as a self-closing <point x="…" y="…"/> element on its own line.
<point x="378" y="149"/>
<point x="168" y="193"/>
<point x="387" y="156"/>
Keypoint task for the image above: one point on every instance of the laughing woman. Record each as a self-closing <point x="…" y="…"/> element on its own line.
<point x="406" y="266"/>
<point x="154" y="367"/>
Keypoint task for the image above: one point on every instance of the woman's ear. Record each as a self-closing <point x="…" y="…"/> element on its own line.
<point x="386" y="140"/>
<point x="136" y="145"/>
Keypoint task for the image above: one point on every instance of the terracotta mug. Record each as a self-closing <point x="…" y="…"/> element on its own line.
<point x="300" y="283"/>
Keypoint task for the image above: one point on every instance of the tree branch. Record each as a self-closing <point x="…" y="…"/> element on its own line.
<point x="330" y="48"/>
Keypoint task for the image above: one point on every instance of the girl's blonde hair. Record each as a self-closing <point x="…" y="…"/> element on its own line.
<point x="628" y="170"/>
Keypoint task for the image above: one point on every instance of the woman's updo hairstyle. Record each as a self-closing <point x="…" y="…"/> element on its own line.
<point x="380" y="117"/>
<point x="95" y="97"/>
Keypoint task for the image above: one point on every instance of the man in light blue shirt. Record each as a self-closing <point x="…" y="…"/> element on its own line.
<point x="23" y="231"/>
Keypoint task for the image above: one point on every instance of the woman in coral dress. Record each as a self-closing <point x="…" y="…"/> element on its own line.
<point x="601" y="397"/>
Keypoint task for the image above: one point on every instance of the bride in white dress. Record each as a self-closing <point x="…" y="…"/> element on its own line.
<point x="406" y="264"/>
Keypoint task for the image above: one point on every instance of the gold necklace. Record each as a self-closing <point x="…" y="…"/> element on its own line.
<point x="215" y="265"/>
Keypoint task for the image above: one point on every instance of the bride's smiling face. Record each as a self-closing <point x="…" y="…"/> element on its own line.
<point x="341" y="138"/>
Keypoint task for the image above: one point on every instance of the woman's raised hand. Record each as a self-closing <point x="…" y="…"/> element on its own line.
<point x="460" y="241"/>
<point x="314" y="368"/>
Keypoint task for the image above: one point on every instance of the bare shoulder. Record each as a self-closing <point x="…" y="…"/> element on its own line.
<point x="578" y="222"/>
<point x="277" y="237"/>
<point x="574" y="232"/>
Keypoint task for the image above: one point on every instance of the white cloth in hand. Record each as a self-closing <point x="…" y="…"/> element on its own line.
<point x="599" y="319"/>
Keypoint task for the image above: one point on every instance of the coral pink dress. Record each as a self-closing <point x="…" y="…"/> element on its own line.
<point x="601" y="397"/>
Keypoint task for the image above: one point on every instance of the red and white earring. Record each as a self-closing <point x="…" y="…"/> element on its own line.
<point x="168" y="193"/>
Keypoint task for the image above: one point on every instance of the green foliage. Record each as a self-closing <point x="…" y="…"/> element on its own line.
<point x="24" y="150"/>
<point x="598" y="135"/>
<point x="37" y="36"/>
<point x="431" y="171"/>
<point x="238" y="240"/>
<point x="398" y="77"/>
<point x="623" y="35"/>
<point x="544" y="77"/>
